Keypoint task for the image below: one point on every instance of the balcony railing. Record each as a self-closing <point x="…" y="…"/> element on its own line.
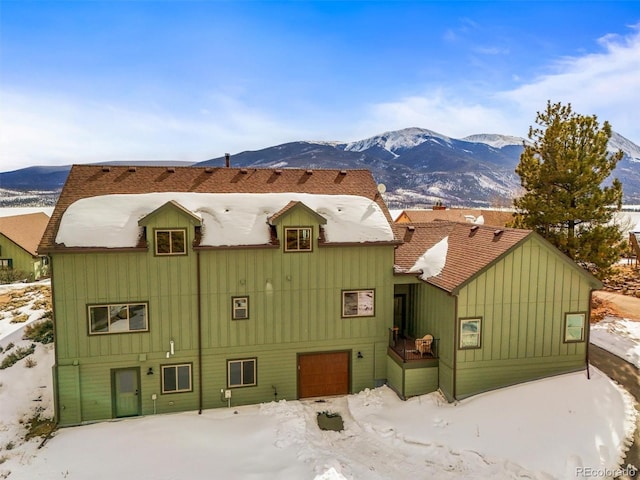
<point x="405" y="347"/>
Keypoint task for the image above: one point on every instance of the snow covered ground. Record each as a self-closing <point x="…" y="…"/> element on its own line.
<point x="553" y="428"/>
<point x="619" y="336"/>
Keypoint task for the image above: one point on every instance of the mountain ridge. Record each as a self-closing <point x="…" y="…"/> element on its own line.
<point x="418" y="166"/>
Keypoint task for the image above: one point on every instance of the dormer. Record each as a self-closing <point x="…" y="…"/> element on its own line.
<point x="173" y="227"/>
<point x="298" y="227"/>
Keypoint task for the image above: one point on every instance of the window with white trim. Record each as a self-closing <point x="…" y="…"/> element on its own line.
<point x="118" y="318"/>
<point x="176" y="378"/>
<point x="6" y="263"/>
<point x="574" y="327"/>
<point x="298" y="239"/>
<point x="241" y="373"/>
<point x="171" y="242"/>
<point x="239" y="308"/>
<point x="470" y="332"/>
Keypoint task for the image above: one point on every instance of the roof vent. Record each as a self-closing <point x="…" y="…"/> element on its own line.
<point x="208" y="170"/>
<point x="171" y="169"/>
<point x="106" y="169"/>
<point x="343" y="172"/>
<point x="227" y="160"/>
<point x="132" y="169"/>
<point x="243" y="170"/>
<point x="278" y="171"/>
<point x="475" y="227"/>
<point x="498" y="232"/>
<point x="411" y="228"/>
<point x="309" y="172"/>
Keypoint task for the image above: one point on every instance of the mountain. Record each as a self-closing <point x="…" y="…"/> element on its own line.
<point x="418" y="166"/>
<point x="35" y="178"/>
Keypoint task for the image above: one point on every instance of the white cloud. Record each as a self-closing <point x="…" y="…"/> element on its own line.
<point x="440" y="110"/>
<point x="604" y="84"/>
<point x="41" y="130"/>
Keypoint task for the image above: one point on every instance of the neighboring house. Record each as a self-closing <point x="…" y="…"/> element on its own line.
<point x="503" y="305"/>
<point x="496" y="218"/>
<point x="19" y="239"/>
<point x="191" y="288"/>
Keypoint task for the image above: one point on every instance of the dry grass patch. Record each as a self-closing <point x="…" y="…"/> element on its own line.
<point x="16" y="355"/>
<point x="19" y="317"/>
<point x="40" y="331"/>
<point x="601" y="308"/>
<point x="39" y="426"/>
<point x="14" y="299"/>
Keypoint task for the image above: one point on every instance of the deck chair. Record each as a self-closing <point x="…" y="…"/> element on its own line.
<point x="423" y="345"/>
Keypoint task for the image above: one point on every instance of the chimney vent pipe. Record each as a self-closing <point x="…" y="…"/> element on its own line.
<point x="227" y="160"/>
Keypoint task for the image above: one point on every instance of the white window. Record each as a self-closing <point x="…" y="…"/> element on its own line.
<point x="358" y="303"/>
<point x="574" y="327"/>
<point x="118" y="318"/>
<point x="298" y="239"/>
<point x="171" y="242"/>
<point x="239" y="308"/>
<point x="241" y="373"/>
<point x="470" y="332"/>
<point x="176" y="378"/>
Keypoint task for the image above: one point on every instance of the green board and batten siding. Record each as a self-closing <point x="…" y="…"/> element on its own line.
<point x="522" y="300"/>
<point x="21" y="260"/>
<point x="295" y="302"/>
<point x="437" y="311"/>
<point x="427" y="309"/>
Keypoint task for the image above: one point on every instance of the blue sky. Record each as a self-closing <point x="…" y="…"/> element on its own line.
<point x="87" y="81"/>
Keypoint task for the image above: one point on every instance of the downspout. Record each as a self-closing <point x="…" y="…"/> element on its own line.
<point x="455" y="346"/>
<point x="199" y="313"/>
<point x="587" y="334"/>
<point x="56" y="383"/>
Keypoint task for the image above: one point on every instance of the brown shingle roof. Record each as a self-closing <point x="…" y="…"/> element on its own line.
<point x="472" y="248"/>
<point x="25" y="230"/>
<point x="496" y="218"/>
<point x="93" y="180"/>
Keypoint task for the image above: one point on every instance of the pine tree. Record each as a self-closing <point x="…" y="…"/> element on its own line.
<point x="562" y="171"/>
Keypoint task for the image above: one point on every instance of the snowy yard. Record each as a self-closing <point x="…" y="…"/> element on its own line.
<point x="553" y="428"/>
<point x="619" y="336"/>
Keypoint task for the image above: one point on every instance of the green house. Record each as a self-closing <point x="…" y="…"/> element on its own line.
<point x="191" y="288"/>
<point x="502" y="305"/>
<point x="19" y="239"/>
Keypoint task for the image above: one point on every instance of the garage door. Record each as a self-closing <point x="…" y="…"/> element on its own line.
<point x="323" y="374"/>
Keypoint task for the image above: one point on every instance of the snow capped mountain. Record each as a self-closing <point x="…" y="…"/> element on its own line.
<point x="418" y="166"/>
<point x="398" y="140"/>
<point x="618" y="142"/>
<point x="495" y="140"/>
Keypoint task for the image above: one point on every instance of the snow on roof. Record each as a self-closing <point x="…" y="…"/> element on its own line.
<point x="111" y="221"/>
<point x="432" y="261"/>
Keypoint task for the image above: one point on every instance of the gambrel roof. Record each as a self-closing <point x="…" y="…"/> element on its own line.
<point x="25" y="230"/>
<point x="192" y="187"/>
<point x="470" y="250"/>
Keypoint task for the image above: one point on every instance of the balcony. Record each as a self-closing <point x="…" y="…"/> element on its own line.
<point x="406" y="349"/>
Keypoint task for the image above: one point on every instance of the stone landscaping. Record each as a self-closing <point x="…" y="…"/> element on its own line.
<point x="625" y="281"/>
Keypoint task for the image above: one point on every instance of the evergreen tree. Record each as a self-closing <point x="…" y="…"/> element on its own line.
<point x="562" y="171"/>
